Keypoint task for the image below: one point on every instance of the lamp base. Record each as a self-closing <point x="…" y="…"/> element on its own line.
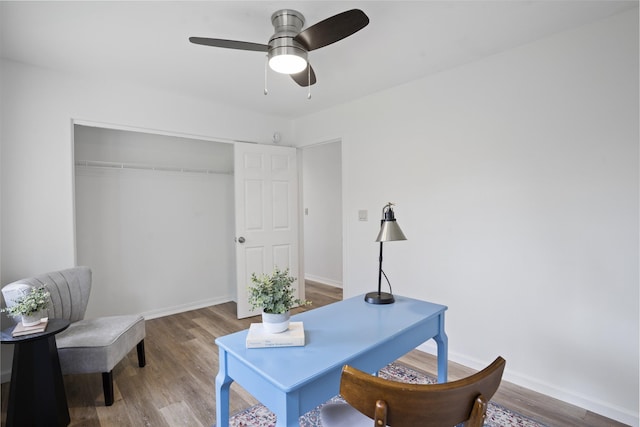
<point x="379" y="298"/>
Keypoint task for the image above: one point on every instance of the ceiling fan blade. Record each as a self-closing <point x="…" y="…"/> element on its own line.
<point x="332" y="29"/>
<point x="229" y="44"/>
<point x="302" y="78"/>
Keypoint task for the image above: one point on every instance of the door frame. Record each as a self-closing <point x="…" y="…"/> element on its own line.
<point x="302" y="203"/>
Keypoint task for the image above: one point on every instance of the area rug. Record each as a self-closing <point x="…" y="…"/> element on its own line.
<point x="497" y="416"/>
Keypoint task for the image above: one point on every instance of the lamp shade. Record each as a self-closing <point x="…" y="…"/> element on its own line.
<point x="389" y="229"/>
<point x="389" y="232"/>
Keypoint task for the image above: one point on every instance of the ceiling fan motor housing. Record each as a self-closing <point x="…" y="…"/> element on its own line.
<point x="287" y="23"/>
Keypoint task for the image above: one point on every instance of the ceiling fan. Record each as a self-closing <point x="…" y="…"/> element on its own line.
<point x="288" y="47"/>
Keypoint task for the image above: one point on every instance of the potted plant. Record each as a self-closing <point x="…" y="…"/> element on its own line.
<point x="275" y="296"/>
<point x="31" y="306"/>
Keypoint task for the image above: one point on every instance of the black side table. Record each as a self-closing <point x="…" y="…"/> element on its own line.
<point x="36" y="393"/>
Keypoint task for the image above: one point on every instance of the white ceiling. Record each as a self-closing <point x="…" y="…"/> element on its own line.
<point x="146" y="43"/>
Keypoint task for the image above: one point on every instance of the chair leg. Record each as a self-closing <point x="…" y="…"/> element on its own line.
<point x="380" y="413"/>
<point x="142" y="361"/>
<point x="107" y="387"/>
<point x="107" y="377"/>
<point x="478" y="412"/>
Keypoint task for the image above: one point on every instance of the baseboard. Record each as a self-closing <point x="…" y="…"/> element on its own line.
<point x="602" y="408"/>
<point x="323" y="280"/>
<point x="167" y="311"/>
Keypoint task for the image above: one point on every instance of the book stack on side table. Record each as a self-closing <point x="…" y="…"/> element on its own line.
<point x="257" y="337"/>
<point x="21" y="330"/>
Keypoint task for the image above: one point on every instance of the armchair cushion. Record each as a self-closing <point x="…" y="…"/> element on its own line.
<point x="97" y="345"/>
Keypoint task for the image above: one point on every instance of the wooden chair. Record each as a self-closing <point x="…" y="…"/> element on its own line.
<point x="88" y="345"/>
<point x="398" y="404"/>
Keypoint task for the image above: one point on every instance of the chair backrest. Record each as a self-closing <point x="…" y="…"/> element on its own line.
<point x="400" y="404"/>
<point x="69" y="291"/>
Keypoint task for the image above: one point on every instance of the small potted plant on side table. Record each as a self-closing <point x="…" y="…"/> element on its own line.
<point x="275" y="296"/>
<point x="31" y="307"/>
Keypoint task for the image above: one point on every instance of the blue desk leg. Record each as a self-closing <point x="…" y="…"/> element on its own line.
<point x="443" y="352"/>
<point x="223" y="382"/>
<point x="290" y="412"/>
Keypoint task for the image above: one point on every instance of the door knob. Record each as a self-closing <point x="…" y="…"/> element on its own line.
<point x="241" y="239"/>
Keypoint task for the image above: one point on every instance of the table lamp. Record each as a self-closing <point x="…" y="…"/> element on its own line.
<point x="389" y="231"/>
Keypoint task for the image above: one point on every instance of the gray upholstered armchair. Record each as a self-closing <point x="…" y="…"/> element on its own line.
<point x="88" y="345"/>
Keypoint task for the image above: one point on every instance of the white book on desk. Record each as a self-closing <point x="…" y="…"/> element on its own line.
<point x="257" y="337"/>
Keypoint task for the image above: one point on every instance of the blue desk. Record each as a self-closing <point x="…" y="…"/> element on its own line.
<point x="291" y="381"/>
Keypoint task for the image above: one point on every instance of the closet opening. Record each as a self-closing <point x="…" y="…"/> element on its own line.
<point x="154" y="219"/>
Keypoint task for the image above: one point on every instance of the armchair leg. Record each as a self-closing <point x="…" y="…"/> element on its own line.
<point x="107" y="387"/>
<point x="142" y="361"/>
<point x="107" y="377"/>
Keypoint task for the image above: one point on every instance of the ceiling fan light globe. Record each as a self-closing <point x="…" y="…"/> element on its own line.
<point x="287" y="64"/>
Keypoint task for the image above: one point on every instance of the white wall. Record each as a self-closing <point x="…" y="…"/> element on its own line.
<point x="157" y="242"/>
<point x="322" y="203"/>
<point x="38" y="107"/>
<point x="516" y="183"/>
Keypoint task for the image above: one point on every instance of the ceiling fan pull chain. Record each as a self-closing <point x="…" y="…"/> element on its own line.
<point x="266" y="62"/>
<point x="309" y="81"/>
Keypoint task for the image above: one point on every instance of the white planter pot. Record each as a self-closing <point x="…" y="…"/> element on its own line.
<point x="32" y="319"/>
<point x="275" y="323"/>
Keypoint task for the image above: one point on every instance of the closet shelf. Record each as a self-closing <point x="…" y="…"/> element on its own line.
<point x="145" y="166"/>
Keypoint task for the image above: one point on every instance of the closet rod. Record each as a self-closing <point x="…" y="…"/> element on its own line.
<point x="144" y="166"/>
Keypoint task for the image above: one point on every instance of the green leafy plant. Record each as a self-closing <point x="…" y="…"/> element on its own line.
<point x="273" y="293"/>
<point x="30" y="303"/>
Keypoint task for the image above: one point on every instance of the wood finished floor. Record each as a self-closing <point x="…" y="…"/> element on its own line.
<point x="176" y="388"/>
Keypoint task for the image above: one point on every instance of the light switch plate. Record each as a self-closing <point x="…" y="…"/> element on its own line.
<point x="363" y="215"/>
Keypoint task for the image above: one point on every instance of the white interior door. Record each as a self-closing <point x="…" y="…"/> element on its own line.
<point x="266" y="199"/>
